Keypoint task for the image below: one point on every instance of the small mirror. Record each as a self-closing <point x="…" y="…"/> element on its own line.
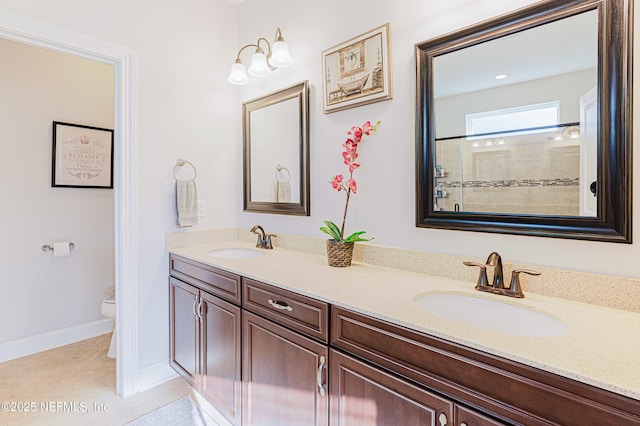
<point x="276" y="152"/>
<point x="524" y="123"/>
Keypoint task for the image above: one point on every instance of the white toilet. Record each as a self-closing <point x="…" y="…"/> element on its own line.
<point x="108" y="309"/>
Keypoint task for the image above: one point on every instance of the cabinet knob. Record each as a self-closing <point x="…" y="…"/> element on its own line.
<point x="442" y="418"/>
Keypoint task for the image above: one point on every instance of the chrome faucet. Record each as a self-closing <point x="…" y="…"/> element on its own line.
<point x="264" y="239"/>
<point x="497" y="286"/>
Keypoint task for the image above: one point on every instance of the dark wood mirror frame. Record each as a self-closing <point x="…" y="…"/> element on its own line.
<point x="300" y="92"/>
<point x="613" y="221"/>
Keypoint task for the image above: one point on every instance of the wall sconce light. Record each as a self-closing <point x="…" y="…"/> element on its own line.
<point x="261" y="64"/>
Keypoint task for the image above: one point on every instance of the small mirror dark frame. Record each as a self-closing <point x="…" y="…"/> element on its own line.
<point x="299" y="91"/>
<point x="613" y="221"/>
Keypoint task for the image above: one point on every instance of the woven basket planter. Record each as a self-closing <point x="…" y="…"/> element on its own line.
<point x="339" y="254"/>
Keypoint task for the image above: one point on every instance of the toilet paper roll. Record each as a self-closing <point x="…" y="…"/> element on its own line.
<point x="61" y="249"/>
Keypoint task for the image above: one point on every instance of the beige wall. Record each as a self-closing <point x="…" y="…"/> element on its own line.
<point x="41" y="293"/>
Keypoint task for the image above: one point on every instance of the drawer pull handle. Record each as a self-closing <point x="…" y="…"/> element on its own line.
<point x="280" y="305"/>
<point x="319" y="376"/>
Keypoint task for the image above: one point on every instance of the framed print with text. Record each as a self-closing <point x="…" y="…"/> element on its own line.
<point x="82" y="156"/>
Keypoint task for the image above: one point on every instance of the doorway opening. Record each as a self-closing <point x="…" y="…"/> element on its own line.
<point x="36" y="33"/>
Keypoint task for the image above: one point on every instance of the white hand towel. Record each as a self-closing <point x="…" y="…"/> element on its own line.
<point x="283" y="192"/>
<point x="187" y="202"/>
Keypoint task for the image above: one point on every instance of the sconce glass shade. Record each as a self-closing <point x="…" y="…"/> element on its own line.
<point x="280" y="57"/>
<point x="238" y="74"/>
<point x="259" y="66"/>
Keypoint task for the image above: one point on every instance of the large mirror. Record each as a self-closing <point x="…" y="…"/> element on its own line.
<point x="524" y="123"/>
<point x="276" y="152"/>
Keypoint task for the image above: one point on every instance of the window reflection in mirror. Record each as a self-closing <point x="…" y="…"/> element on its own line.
<point x="510" y="134"/>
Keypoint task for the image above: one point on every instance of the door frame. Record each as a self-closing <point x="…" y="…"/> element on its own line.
<point x="39" y="34"/>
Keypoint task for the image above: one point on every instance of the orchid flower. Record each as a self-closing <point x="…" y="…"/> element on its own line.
<point x="356" y="135"/>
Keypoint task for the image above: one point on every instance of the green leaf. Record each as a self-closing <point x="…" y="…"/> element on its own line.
<point x="334" y="228"/>
<point x="355" y="237"/>
<point x="331" y="229"/>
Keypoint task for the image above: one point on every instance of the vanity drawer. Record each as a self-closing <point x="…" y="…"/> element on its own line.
<point x="304" y="314"/>
<point x="212" y="280"/>
<point x="502" y="388"/>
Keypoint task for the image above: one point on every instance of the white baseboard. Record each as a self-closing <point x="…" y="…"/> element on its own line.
<point x="154" y="375"/>
<point x="53" y="339"/>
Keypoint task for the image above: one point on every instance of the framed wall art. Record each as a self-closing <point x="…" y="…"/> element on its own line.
<point x="358" y="71"/>
<point x="82" y="156"/>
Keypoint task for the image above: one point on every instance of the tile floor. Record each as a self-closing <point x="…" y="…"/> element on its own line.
<point x="75" y="385"/>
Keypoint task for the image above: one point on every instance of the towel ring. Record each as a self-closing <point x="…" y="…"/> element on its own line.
<point x="280" y="168"/>
<point x="181" y="163"/>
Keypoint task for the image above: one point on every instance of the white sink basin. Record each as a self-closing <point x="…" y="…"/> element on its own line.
<point x="503" y="317"/>
<point x="235" y="253"/>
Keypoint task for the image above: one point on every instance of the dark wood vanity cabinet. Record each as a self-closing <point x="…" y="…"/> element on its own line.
<point x="263" y="355"/>
<point x="485" y="388"/>
<point x="205" y="333"/>
<point x="285" y="357"/>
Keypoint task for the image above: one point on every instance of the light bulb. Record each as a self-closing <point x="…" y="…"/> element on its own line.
<point x="259" y="66"/>
<point x="238" y="74"/>
<point x="280" y="57"/>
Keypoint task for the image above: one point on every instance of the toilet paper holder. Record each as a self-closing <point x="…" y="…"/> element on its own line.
<point x="49" y="247"/>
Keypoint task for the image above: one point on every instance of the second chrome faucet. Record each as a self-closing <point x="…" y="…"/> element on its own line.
<point x="497" y="285"/>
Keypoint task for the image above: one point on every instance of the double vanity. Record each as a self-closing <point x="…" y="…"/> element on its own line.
<point x="278" y="337"/>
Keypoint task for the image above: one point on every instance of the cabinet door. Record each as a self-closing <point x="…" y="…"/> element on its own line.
<point x="363" y="395"/>
<point x="183" y="300"/>
<point x="284" y="376"/>
<point x="220" y="375"/>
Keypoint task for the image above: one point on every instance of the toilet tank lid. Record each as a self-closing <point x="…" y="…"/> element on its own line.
<point x="109" y="295"/>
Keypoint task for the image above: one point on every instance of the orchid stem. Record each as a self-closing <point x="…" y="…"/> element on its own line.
<point x="344" y="218"/>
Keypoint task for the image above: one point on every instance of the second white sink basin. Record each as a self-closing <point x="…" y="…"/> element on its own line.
<point x="235" y="253"/>
<point x="491" y="315"/>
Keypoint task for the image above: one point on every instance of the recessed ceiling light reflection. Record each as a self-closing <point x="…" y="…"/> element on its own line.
<point x="501" y="76"/>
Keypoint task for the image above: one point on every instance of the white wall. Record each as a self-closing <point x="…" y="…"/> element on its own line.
<point x="41" y="293"/>
<point x="384" y="205"/>
<point x="451" y="111"/>
<point x="184" y="109"/>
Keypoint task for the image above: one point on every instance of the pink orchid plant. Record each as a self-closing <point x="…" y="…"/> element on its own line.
<point x="355" y="137"/>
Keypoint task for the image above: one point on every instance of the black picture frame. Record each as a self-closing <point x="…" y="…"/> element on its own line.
<point x="82" y="156"/>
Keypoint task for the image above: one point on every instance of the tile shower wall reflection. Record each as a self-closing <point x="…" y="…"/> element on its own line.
<point x="523" y="174"/>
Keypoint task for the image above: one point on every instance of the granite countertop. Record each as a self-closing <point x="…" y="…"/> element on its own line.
<point x="600" y="348"/>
